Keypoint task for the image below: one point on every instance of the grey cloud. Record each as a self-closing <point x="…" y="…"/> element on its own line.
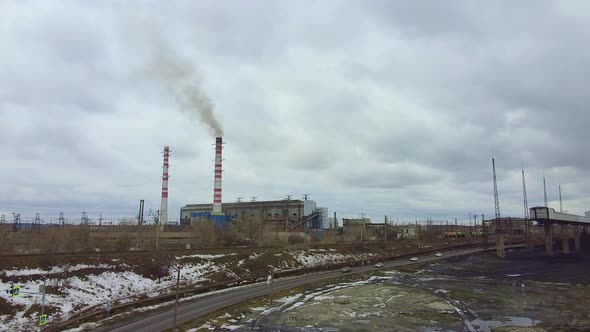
<point x="386" y="107"/>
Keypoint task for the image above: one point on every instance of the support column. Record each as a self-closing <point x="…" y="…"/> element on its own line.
<point x="500" y="245"/>
<point x="548" y="239"/>
<point x="529" y="235"/>
<point x="565" y="243"/>
<point x="577" y="238"/>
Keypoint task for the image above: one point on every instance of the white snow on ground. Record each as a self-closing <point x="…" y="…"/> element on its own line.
<point x="55" y="269"/>
<point x="323" y="293"/>
<point x="94" y="289"/>
<point x="287" y="301"/>
<point x="258" y="308"/>
<point x="206" y="256"/>
<point x="83" y="327"/>
<point x="202" y="327"/>
<point x="321" y="257"/>
<point x="82" y="293"/>
<point x="231" y="327"/>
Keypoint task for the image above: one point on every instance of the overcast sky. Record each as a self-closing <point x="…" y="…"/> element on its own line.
<point x="379" y="107"/>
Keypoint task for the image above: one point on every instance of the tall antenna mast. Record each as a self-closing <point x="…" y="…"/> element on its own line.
<point x="545" y="191"/>
<point x="524" y="197"/>
<point x="560" y="201"/>
<point x="496" y="199"/>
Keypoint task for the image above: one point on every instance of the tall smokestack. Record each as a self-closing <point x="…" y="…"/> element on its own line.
<point x="217" y="185"/>
<point x="164" y="203"/>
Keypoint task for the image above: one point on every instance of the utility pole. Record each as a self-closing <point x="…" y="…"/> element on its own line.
<point x="305" y="196"/>
<point x="238" y="212"/>
<point x="287" y="219"/>
<point x="335" y="225"/>
<point x="362" y="229"/>
<point x="259" y="225"/>
<point x="176" y="299"/>
<point x="38" y="222"/>
<point x="157" y="220"/>
<point x="156" y="217"/>
<point x="61" y="218"/>
<point x="363" y="225"/>
<point x="139" y="222"/>
<point x="43" y="301"/>
<point x="385" y="229"/>
<point x="499" y="226"/>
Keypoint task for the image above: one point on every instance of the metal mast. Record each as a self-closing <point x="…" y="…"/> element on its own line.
<point x="524" y="197"/>
<point x="545" y="191"/>
<point x="560" y="201"/>
<point x="496" y="199"/>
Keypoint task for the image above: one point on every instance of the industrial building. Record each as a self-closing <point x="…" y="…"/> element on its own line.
<point x="301" y="214"/>
<point x="290" y="214"/>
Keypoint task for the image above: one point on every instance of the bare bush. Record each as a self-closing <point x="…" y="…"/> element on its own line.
<point x="123" y="243"/>
<point x="205" y="231"/>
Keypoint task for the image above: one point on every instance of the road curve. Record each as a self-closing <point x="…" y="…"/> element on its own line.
<point x="200" y="307"/>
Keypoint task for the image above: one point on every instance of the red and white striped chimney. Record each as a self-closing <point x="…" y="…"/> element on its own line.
<point x="164" y="203"/>
<point x="217" y="184"/>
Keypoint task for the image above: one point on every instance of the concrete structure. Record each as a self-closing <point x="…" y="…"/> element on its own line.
<point x="324" y="217"/>
<point x="217" y="179"/>
<point x="570" y="226"/>
<point x="407" y="232"/>
<point x="355" y="221"/>
<point x="164" y="202"/>
<point x="309" y="207"/>
<point x="505" y="228"/>
<point x="500" y="245"/>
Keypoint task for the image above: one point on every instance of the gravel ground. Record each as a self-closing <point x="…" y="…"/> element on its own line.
<point x="525" y="292"/>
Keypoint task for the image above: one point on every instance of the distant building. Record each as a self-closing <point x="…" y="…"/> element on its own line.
<point x="407" y="232"/>
<point x="355" y="221"/>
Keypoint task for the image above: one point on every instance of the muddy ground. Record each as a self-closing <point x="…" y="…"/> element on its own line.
<point x="524" y="292"/>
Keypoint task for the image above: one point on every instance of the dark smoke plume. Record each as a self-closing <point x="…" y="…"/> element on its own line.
<point x="183" y="81"/>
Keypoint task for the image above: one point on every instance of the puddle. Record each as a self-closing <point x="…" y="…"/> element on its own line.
<point x="507" y="321"/>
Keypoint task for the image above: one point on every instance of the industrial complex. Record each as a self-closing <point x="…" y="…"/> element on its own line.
<point x="285" y="214"/>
